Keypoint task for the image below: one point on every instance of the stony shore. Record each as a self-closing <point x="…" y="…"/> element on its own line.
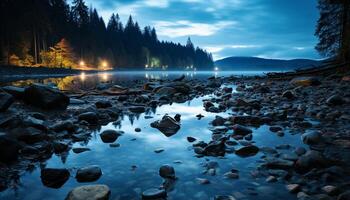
<point x="38" y="121"/>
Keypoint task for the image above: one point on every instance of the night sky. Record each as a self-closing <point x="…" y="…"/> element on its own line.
<point x="264" y="28"/>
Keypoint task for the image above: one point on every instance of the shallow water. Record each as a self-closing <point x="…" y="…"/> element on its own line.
<point x="137" y="149"/>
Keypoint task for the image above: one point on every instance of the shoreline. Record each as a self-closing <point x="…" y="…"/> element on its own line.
<point x="284" y="106"/>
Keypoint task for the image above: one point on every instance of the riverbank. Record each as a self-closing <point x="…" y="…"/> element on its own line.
<point x="38" y="122"/>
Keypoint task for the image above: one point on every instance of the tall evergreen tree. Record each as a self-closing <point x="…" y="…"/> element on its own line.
<point x="333" y="29"/>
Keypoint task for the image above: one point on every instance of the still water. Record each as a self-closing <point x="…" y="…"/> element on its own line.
<point x="133" y="167"/>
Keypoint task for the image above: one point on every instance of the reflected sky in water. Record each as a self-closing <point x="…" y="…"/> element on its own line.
<point x="137" y="149"/>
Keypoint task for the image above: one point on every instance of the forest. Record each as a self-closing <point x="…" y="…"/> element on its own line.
<point x="53" y="33"/>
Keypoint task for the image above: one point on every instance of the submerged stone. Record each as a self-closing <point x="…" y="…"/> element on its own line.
<point x="89" y="192"/>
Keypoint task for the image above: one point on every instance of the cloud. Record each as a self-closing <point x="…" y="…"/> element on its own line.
<point x="182" y="28"/>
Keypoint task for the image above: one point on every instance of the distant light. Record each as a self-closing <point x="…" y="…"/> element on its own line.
<point x="216" y="69"/>
<point x="82" y="76"/>
<point x="146" y="66"/>
<point x="104" y="64"/>
<point x="82" y="63"/>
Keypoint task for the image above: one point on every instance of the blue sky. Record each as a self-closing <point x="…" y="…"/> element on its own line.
<point x="264" y="28"/>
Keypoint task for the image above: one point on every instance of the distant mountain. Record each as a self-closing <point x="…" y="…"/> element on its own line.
<point x="255" y="63"/>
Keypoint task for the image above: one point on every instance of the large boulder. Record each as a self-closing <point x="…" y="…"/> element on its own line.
<point x="312" y="138"/>
<point x="247" y="151"/>
<point x="167" y="125"/>
<point x="5" y="101"/>
<point x="45" y="97"/>
<point x="54" y="178"/>
<point x="305" y="81"/>
<point x="167" y="171"/>
<point x="311" y="159"/>
<point x="89" y="192"/>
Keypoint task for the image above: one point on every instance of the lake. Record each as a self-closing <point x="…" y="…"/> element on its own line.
<point x="133" y="166"/>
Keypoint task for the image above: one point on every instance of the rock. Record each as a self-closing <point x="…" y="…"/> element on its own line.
<point x="167" y="125"/>
<point x="137" y="130"/>
<point x="305" y="81"/>
<point x="167" y="171"/>
<point x="103" y="104"/>
<point x="231" y="175"/>
<point x="137" y="109"/>
<point x="288" y="94"/>
<point x="177" y="117"/>
<point x="63" y="126"/>
<point x="276" y="163"/>
<point x="8" y="148"/>
<point x="45" y="97"/>
<point x="88" y="174"/>
<point x="60" y="146"/>
<point x="5" y="101"/>
<point x="247" y="151"/>
<point x="335" y="100"/>
<point x="330" y="189"/>
<point x="159" y="150"/>
<point x="311" y="138"/>
<point x="74" y="101"/>
<point x="202" y="181"/>
<point x="293" y="188"/>
<point x="224" y="197"/>
<point x="215" y="148"/>
<point x="275" y="129"/>
<point x="218" y="121"/>
<point x="80" y="150"/>
<point x="300" y="151"/>
<point x="191" y="139"/>
<point x="154" y="194"/>
<point x="109" y="136"/>
<point x="271" y="179"/>
<point x="165" y="91"/>
<point x="114" y="145"/>
<point x="89" y="192"/>
<point x="90" y="117"/>
<point x="241" y="130"/>
<point x="16" y="92"/>
<point x="29" y="135"/>
<point x="227" y="89"/>
<point x="311" y="159"/>
<point x="344" y="196"/>
<point x="54" y="178"/>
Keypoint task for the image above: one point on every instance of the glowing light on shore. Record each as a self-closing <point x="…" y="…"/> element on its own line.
<point x="104" y="64"/>
<point x="82" y="63"/>
<point x="216" y="69"/>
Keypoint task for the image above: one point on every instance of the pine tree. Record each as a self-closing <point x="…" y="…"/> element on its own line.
<point x="333" y="29"/>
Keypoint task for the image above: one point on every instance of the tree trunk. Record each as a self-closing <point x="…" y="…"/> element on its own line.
<point x="35" y="47"/>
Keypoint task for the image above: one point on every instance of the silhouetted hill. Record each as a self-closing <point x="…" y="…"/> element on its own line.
<point x="255" y="63"/>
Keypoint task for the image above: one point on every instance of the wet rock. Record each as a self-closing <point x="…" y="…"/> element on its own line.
<point x="109" y="136"/>
<point x="241" y="130"/>
<point x="247" y="151"/>
<point x="276" y="163"/>
<point x="227" y="90"/>
<point x="231" y="175"/>
<point x="165" y="91"/>
<point x="90" y="192"/>
<point x="293" y="188"/>
<point x="311" y="138"/>
<point x="159" y="150"/>
<point x="311" y="159"/>
<point x="224" y="197"/>
<point x="191" y="139"/>
<point x="103" y="104"/>
<point x="154" y="194"/>
<point x="167" y="171"/>
<point x="54" y="178"/>
<point x="142" y="99"/>
<point x="177" y="117"/>
<point x="8" y="148"/>
<point x="78" y="150"/>
<point x="137" y="109"/>
<point x="5" y="101"/>
<point x="114" y="145"/>
<point x="29" y="135"/>
<point x="218" y="121"/>
<point x="74" y="101"/>
<point x="88" y="174"/>
<point x="202" y="181"/>
<point x="167" y="125"/>
<point x="300" y="151"/>
<point x="335" y="100"/>
<point x="275" y="129"/>
<point x="90" y="117"/>
<point x="215" y="148"/>
<point x="288" y="94"/>
<point x="45" y="97"/>
<point x="271" y="179"/>
<point x="60" y="146"/>
<point x="16" y="92"/>
<point x="305" y="81"/>
<point x="344" y="196"/>
<point x="137" y="130"/>
<point x="64" y="126"/>
<point x="330" y="189"/>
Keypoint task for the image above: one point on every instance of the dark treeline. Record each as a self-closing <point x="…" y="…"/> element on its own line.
<point x="53" y="33"/>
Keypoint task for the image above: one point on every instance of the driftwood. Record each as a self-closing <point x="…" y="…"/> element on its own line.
<point x="323" y="70"/>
